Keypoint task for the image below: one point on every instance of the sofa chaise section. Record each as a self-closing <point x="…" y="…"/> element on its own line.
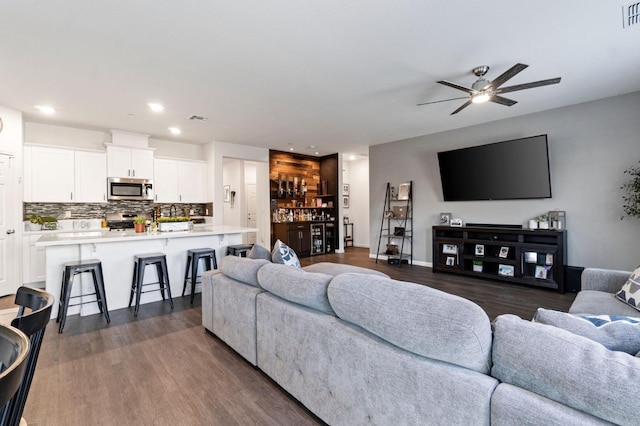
<point x="350" y="372"/>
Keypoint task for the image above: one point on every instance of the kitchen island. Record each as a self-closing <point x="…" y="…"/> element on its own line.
<point x="116" y="251"/>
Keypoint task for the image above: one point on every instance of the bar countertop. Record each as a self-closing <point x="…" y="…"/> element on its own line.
<point x="98" y="237"/>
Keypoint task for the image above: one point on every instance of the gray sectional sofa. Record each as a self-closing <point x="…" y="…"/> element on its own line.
<point x="356" y="347"/>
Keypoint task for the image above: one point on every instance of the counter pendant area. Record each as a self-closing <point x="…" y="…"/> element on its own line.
<point x="116" y="251"/>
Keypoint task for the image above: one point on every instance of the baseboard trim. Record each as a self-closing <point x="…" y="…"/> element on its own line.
<point x="415" y="262"/>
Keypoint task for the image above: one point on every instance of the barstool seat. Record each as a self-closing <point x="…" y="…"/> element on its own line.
<point x="239" y="249"/>
<point x="194" y="256"/>
<point x="140" y="262"/>
<point x="72" y="269"/>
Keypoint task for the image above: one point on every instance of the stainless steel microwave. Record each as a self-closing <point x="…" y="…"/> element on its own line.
<point x="129" y="189"/>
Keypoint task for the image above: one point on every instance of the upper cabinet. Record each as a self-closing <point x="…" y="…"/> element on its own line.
<point x="129" y="162"/>
<point x="63" y="175"/>
<point x="52" y="175"/>
<point x="90" y="177"/>
<point x="179" y="181"/>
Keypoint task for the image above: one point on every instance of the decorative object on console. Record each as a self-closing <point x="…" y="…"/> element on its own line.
<point x="479" y="249"/>
<point x="630" y="291"/>
<point x="557" y="219"/>
<point x="445" y="219"/>
<point x="543" y="221"/>
<point x="456" y="221"/>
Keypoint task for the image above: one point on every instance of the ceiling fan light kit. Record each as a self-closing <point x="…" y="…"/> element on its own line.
<point x="483" y="90"/>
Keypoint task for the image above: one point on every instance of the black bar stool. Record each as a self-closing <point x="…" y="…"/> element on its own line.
<point x="70" y="271"/>
<point x="141" y="261"/>
<point x="239" y="250"/>
<point x="194" y="256"/>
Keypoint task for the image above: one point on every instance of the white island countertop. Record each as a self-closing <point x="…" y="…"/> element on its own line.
<point x="98" y="236"/>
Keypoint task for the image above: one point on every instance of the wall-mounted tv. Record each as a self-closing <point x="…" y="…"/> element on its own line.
<point x="515" y="169"/>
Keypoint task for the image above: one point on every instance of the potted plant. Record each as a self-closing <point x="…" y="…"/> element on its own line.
<point x="543" y="221"/>
<point x="631" y="199"/>
<point x="35" y="222"/>
<point x="139" y="223"/>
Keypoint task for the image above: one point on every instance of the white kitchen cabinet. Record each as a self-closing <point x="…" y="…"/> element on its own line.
<point x="33" y="264"/>
<point x="90" y="177"/>
<point x="52" y="175"/>
<point x="191" y="181"/>
<point x="123" y="161"/>
<point x="179" y="181"/>
<point x="165" y="180"/>
<point x="27" y="195"/>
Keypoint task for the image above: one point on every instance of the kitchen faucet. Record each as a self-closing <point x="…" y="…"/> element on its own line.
<point x="172" y="210"/>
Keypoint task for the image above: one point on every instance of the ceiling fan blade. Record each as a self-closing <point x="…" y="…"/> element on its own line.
<point x="463" y="106"/>
<point x="528" y="85"/>
<point x="502" y="101"/>
<point x="443" y="100"/>
<point x="457" y="86"/>
<point x="507" y="75"/>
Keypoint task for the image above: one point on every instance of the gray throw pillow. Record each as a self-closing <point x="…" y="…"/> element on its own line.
<point x="259" y="252"/>
<point x="616" y="333"/>
<point x="284" y="254"/>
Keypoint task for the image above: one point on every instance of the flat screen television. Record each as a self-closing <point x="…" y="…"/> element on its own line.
<point x="510" y="170"/>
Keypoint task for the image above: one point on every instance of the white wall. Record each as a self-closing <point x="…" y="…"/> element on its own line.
<point x="356" y="174"/>
<point x="216" y="152"/>
<point x="590" y="145"/>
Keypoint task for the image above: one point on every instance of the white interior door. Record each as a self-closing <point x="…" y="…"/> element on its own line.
<point x="252" y="212"/>
<point x="8" y="237"/>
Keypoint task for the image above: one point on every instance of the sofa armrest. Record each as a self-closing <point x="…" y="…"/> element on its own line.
<point x="607" y="280"/>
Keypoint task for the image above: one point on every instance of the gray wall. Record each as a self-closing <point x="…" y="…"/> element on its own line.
<point x="590" y="145"/>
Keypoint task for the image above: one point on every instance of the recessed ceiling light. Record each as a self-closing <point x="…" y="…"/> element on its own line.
<point x="311" y="147"/>
<point x="155" y="107"/>
<point x="317" y="153"/>
<point x="175" y="130"/>
<point x="291" y="149"/>
<point x="352" y="157"/>
<point x="45" y="109"/>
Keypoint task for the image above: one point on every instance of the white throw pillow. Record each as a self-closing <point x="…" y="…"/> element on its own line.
<point x="284" y="254"/>
<point x="630" y="291"/>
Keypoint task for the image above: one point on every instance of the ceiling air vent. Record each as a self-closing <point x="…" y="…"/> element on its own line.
<point x="198" y="118"/>
<point x="631" y="15"/>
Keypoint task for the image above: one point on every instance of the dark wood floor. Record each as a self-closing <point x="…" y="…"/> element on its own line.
<point x="164" y="369"/>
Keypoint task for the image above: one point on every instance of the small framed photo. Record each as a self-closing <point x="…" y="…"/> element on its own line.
<point x="450" y="249"/>
<point x="345" y="202"/>
<point x="549" y="259"/>
<point x="541" y="272"/>
<point x="505" y="270"/>
<point x="445" y="219"/>
<point x="479" y="249"/>
<point x="530" y="257"/>
<point x="403" y="191"/>
<point x="451" y="261"/>
<point x="227" y="193"/>
<point x="345" y="189"/>
<point x="504" y="252"/>
<point x="477" y="266"/>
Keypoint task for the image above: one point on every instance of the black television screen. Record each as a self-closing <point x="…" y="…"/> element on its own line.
<point x="516" y="169"/>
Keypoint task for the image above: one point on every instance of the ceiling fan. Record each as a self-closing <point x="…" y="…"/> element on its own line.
<point x="484" y="90"/>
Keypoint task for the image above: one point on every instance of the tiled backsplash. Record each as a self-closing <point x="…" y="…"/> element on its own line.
<point x="100" y="210"/>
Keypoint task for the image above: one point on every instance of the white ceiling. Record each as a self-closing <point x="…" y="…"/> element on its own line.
<point x="340" y="75"/>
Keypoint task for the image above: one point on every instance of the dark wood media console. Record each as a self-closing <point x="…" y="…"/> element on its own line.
<point x="523" y="256"/>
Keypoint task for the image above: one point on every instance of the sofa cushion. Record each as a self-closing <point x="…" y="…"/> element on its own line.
<point x="566" y="368"/>
<point x="296" y="285"/>
<point x="600" y="303"/>
<point x="334" y="269"/>
<point x="259" y="252"/>
<point x="630" y="291"/>
<point x="242" y="269"/>
<point x="416" y="318"/>
<point x="284" y="254"/>
<point x="616" y="333"/>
